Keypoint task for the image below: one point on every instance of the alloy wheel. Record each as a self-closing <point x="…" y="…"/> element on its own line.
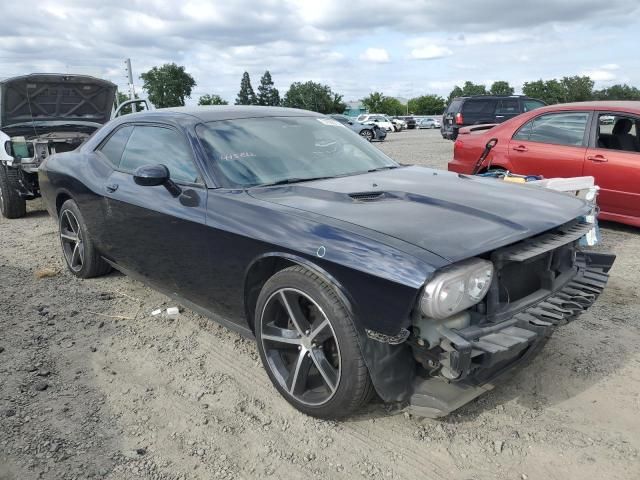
<point x="300" y="346"/>
<point x="368" y="134"/>
<point x="71" y="239"/>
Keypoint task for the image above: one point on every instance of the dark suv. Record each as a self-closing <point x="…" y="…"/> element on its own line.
<point x="479" y="109"/>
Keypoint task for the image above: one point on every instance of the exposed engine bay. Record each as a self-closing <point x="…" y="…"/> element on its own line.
<point x="26" y="152"/>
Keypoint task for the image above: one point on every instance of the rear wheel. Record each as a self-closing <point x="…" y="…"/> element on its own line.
<point x="367" y="134"/>
<point x="80" y="255"/>
<point x="12" y="205"/>
<point x="308" y="345"/>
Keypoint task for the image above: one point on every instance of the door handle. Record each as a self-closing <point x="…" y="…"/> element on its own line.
<point x="521" y="148"/>
<point x="112" y="187"/>
<point x="597" y="158"/>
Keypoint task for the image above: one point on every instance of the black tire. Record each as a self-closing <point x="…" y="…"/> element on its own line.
<point x="80" y="256"/>
<point x="12" y="205"/>
<point x="367" y="134"/>
<point x="352" y="387"/>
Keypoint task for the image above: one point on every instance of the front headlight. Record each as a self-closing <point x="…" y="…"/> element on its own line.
<point x="456" y="288"/>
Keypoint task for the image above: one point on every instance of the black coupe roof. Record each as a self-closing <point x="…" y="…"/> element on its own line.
<point x="211" y="113"/>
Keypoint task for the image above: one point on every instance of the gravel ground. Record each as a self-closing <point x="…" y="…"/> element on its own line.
<point x="93" y="386"/>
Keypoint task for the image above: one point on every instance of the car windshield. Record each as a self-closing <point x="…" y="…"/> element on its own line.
<point x="262" y="151"/>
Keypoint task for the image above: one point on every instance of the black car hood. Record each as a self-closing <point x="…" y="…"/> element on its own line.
<point x="453" y="216"/>
<point x="55" y="98"/>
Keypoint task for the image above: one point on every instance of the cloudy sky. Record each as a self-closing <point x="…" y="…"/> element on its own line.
<point x="402" y="48"/>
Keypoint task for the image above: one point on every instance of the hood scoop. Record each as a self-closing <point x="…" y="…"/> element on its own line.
<point x="367" y="196"/>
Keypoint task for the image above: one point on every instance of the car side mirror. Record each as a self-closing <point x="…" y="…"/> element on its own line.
<point x="155" y="175"/>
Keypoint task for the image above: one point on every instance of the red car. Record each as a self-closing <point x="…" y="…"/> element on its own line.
<point x="599" y="139"/>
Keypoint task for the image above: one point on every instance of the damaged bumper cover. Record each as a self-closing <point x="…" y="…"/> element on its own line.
<point x="488" y="353"/>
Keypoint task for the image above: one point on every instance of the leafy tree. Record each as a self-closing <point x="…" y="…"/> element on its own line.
<point x="168" y="85"/>
<point x="373" y="102"/>
<point x="267" y="93"/>
<point x="577" y="89"/>
<point x="567" y="89"/>
<point x="617" y="92"/>
<point x="427" y="105"/>
<point x="501" y="88"/>
<point x="313" y="96"/>
<point x="468" y="89"/>
<point x="377" y="102"/>
<point x="246" y="95"/>
<point x="212" y="100"/>
<point x="392" y="106"/>
<point x="456" y="92"/>
<point x="549" y="91"/>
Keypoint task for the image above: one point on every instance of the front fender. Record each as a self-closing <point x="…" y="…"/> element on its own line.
<point x="391" y="367"/>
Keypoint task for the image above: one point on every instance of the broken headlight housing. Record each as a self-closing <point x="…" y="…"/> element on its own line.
<point x="456" y="288"/>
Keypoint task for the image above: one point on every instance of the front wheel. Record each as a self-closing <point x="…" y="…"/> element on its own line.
<point x="80" y="254"/>
<point x="308" y="345"/>
<point x="12" y="205"/>
<point x="367" y="134"/>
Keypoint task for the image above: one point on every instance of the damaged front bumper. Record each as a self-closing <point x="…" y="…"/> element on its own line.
<point x="486" y="354"/>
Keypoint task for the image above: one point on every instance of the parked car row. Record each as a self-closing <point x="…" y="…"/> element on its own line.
<point x="368" y="131"/>
<point x="395" y="124"/>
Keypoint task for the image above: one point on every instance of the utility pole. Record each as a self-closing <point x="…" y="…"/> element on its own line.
<point x="132" y="90"/>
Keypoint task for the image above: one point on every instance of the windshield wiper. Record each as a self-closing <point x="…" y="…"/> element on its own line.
<point x="388" y="167"/>
<point x="286" y="181"/>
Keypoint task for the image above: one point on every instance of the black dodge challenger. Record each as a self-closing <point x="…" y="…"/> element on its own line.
<point x="355" y="274"/>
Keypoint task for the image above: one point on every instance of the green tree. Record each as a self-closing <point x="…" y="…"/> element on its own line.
<point x="212" y="100"/>
<point x="617" y="92"/>
<point x="577" y="89"/>
<point x="267" y="93"/>
<point x="246" y="95"/>
<point x="373" y="102"/>
<point x="393" y="107"/>
<point x="501" y="87"/>
<point x="427" y="105"/>
<point x="168" y="85"/>
<point x="313" y="96"/>
<point x="377" y="102"/>
<point x="468" y="89"/>
<point x="567" y="89"/>
<point x="549" y="91"/>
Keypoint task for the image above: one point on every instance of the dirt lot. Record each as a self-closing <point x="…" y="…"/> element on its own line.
<point x="93" y="386"/>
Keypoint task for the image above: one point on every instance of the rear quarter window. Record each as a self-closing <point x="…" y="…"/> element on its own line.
<point x="454" y="106"/>
<point x="479" y="106"/>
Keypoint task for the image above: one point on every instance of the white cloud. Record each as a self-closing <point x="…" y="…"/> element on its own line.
<point x="375" y="55"/>
<point x="605" y="73"/>
<point x="430" y="52"/>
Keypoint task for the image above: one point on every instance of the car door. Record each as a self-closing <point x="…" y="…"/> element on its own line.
<point x="615" y="167"/>
<point x="152" y="233"/>
<point x="552" y="144"/>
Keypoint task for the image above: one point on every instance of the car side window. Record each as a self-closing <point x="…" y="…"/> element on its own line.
<point x="618" y="132"/>
<point x="112" y="147"/>
<point x="482" y="106"/>
<point x="532" y="105"/>
<point x="508" y="106"/>
<point x="160" y="145"/>
<point x="566" y="128"/>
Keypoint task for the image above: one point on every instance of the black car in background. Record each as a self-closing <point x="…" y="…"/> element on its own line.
<point x="479" y="109"/>
<point x="410" y="121"/>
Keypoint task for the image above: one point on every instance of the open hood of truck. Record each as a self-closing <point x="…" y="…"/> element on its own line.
<point x="55" y="97"/>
